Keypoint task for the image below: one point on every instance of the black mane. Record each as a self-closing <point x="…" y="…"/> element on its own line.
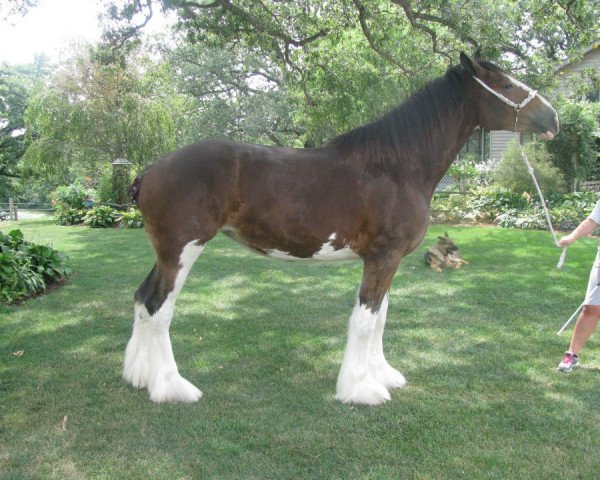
<point x="405" y="130"/>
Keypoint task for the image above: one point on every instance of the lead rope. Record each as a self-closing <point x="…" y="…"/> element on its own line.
<point x="563" y="254"/>
<point x="564" y="250"/>
<point x="518" y="107"/>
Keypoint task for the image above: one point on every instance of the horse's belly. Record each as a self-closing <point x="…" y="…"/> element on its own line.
<point x="327" y="251"/>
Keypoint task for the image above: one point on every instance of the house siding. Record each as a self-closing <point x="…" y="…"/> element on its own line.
<point x="590" y="60"/>
<point x="499" y="140"/>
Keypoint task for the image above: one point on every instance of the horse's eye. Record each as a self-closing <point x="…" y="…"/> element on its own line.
<point x="508" y="86"/>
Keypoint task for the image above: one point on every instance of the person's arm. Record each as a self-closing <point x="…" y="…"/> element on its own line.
<point x="584" y="229"/>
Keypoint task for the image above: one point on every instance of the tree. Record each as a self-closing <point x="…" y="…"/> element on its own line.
<point x="17" y="84"/>
<point x="574" y="151"/>
<point x="16" y="7"/>
<point x="342" y="63"/>
<point x="90" y="114"/>
<point x="523" y="31"/>
<point x="236" y="95"/>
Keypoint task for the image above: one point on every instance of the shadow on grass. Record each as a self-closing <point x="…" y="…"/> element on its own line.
<point x="264" y="341"/>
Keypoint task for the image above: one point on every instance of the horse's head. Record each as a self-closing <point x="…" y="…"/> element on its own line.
<point x="507" y="104"/>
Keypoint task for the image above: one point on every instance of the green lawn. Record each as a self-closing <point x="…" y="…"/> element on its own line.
<point x="264" y="340"/>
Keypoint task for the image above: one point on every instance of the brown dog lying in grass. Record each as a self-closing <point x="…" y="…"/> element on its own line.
<point x="444" y="255"/>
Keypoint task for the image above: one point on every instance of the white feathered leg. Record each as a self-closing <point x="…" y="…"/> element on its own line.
<point x="149" y="361"/>
<point x="378" y="365"/>
<point x="355" y="383"/>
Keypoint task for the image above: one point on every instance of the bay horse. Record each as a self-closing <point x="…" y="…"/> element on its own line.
<point x="365" y="195"/>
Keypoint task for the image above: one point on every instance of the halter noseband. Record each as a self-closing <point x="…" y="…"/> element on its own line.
<point x="517" y="106"/>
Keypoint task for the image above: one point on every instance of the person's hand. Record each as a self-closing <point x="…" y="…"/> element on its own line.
<point x="566" y="241"/>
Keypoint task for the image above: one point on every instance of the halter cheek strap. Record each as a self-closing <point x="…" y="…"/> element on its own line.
<point x="517" y="106"/>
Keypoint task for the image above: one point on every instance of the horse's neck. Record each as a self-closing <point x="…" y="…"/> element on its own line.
<point x="437" y="158"/>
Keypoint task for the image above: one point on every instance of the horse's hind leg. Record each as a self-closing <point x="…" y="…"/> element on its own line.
<point x="149" y="361"/>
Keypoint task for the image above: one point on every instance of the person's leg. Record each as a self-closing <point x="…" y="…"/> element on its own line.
<point x="588" y="318"/>
<point x="585" y="326"/>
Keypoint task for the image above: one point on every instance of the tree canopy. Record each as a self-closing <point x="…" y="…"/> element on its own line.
<point x="338" y="64"/>
<point x="90" y="114"/>
<point x="525" y="32"/>
<point x="17" y="84"/>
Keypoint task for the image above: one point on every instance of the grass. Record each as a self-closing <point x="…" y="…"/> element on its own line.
<point x="264" y="340"/>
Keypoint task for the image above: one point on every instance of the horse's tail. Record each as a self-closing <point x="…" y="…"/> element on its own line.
<point x="134" y="188"/>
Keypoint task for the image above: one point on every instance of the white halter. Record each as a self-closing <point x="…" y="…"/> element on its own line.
<point x="517" y="106"/>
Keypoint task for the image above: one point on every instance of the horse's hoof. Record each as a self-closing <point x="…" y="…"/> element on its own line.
<point x="173" y="388"/>
<point x="366" y="392"/>
<point x="389" y="377"/>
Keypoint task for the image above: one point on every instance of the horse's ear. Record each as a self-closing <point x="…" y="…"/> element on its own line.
<point x="477" y="55"/>
<point x="469" y="65"/>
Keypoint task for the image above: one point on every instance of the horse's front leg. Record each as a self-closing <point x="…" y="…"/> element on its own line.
<point x="365" y="374"/>
<point x="378" y="365"/>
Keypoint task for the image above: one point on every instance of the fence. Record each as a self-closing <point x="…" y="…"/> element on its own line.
<point x="15" y="210"/>
<point x="591" y="186"/>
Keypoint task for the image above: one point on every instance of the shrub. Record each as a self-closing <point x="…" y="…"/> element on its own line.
<point x="511" y="173"/>
<point x="570" y="210"/>
<point x="489" y="202"/>
<point x="101" y="217"/>
<point x="104" y="188"/>
<point x="464" y="171"/>
<point x="450" y="209"/>
<point x="528" y="219"/>
<point x="131" y="219"/>
<point x="508" y="209"/>
<point x="27" y="268"/>
<point x="70" y="196"/>
<point x="574" y="151"/>
<point x="584" y="201"/>
<point x="69" y="216"/>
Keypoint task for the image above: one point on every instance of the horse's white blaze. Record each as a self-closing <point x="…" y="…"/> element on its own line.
<point x="357" y="381"/>
<point x="149" y="361"/>
<point x="327" y="252"/>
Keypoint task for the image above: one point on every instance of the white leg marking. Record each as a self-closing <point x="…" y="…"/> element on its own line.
<point x="149" y="361"/>
<point x="378" y="365"/>
<point x="355" y="383"/>
<point x="135" y="369"/>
